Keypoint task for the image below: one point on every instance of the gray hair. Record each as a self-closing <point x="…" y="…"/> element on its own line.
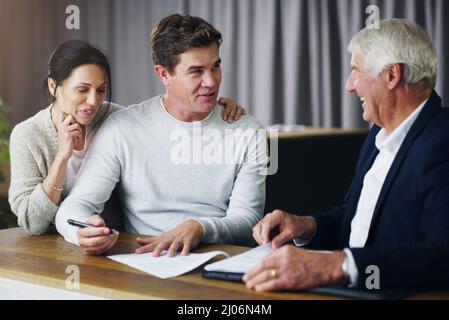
<point x="398" y="41"/>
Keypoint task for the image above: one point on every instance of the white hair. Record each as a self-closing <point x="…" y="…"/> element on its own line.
<point x="398" y="41"/>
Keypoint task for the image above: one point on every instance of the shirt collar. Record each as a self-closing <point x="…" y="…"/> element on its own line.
<point x="392" y="142"/>
<point x="185" y="123"/>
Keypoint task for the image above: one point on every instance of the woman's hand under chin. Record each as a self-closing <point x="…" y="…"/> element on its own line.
<point x="69" y="136"/>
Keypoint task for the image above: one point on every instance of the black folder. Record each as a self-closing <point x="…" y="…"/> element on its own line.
<point x="339" y="291"/>
<point x="360" y="294"/>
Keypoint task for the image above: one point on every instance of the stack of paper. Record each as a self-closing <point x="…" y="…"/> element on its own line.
<point x="165" y="266"/>
<point x="241" y="263"/>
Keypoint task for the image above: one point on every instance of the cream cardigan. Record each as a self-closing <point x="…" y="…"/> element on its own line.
<point x="33" y="146"/>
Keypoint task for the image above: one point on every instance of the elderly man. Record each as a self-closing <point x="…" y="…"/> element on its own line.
<point x="395" y="216"/>
<point x="185" y="175"/>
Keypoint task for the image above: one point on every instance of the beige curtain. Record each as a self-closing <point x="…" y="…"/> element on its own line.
<point x="285" y="60"/>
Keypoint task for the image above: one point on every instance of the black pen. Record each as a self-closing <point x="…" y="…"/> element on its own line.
<point x="80" y="224"/>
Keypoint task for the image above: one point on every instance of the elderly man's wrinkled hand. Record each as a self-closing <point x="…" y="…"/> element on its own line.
<point x="280" y="227"/>
<point x="292" y="268"/>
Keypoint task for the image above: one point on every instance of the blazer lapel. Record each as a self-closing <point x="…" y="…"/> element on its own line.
<point x="432" y="106"/>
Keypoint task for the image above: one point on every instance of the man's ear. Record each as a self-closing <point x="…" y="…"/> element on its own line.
<point x="393" y="75"/>
<point x="162" y="73"/>
<point x="51" y="86"/>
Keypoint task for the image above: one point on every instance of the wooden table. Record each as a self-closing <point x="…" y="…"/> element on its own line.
<point x="43" y="260"/>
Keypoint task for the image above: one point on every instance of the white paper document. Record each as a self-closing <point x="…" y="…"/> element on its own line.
<point x="165" y="266"/>
<point x="241" y="263"/>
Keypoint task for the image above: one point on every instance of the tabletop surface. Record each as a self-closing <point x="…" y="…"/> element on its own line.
<point x="43" y="260"/>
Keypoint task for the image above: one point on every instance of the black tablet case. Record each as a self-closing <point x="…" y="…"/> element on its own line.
<point x="339" y="291"/>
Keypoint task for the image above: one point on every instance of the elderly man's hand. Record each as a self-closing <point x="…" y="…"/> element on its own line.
<point x="185" y="237"/>
<point x="287" y="227"/>
<point x="292" y="268"/>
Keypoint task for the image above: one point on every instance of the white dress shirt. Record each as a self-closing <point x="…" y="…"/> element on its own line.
<point x="388" y="146"/>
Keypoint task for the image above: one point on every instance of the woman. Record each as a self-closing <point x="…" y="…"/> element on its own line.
<point x="48" y="149"/>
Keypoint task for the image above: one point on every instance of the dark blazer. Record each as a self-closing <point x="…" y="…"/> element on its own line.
<point x="409" y="234"/>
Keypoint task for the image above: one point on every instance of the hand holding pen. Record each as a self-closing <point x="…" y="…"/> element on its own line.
<point x="94" y="236"/>
<point x="80" y="224"/>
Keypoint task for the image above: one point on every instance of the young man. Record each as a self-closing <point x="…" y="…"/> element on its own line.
<point x="170" y="156"/>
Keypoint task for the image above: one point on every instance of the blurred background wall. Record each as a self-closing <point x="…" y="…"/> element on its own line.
<point x="285" y="60"/>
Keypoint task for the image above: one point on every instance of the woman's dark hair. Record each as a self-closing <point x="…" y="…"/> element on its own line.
<point x="69" y="56"/>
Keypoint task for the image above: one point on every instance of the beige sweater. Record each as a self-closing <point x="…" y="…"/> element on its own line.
<point x="33" y="146"/>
